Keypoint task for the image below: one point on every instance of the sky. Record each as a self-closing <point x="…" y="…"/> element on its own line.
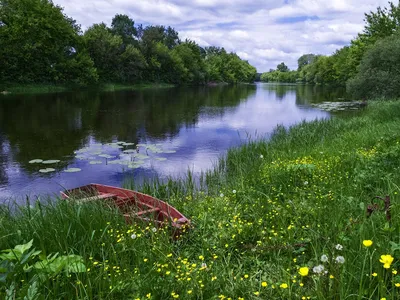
<point x="264" y="32"/>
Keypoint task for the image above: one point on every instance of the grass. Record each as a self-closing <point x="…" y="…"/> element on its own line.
<point x="43" y="88"/>
<point x="269" y="211"/>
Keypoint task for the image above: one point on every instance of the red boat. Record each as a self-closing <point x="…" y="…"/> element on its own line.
<point x="133" y="205"/>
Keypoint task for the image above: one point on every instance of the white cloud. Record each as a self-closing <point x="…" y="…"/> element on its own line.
<point x="265" y="32"/>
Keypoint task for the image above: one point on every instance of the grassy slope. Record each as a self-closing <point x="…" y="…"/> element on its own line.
<point x="269" y="209"/>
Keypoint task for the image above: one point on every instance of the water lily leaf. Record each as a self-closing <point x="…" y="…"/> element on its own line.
<point x="170" y="151"/>
<point x="120" y="142"/>
<point x="161" y="158"/>
<point x="117" y="146"/>
<point x="106" y="156"/>
<point x="128" y="144"/>
<point x="51" y="161"/>
<point x="129" y="151"/>
<point x="36" y="161"/>
<point x="134" y="166"/>
<point x="47" y="170"/>
<point x="80" y="156"/>
<point x="96" y="152"/>
<point x="96" y="162"/>
<point x="141" y="156"/>
<point x="72" y="170"/>
<point x="141" y="145"/>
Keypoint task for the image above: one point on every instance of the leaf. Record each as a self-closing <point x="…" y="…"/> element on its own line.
<point x="96" y="162"/>
<point x="72" y="170"/>
<point x="36" y="161"/>
<point x="51" y="161"/>
<point x="47" y="170"/>
<point x="76" y="267"/>
<point x="22" y="248"/>
<point x="106" y="156"/>
<point x="170" y="151"/>
<point x="128" y="144"/>
<point x="129" y="151"/>
<point x="161" y="158"/>
<point x="33" y="292"/>
<point x="10" y="292"/>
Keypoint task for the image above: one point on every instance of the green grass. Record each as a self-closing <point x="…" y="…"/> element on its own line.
<point x="32" y="89"/>
<point x="43" y="88"/>
<point x="268" y="209"/>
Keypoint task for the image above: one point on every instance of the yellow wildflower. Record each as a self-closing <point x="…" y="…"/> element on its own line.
<point x="386" y="260"/>
<point x="367" y="243"/>
<point x="397" y="284"/>
<point x="374" y="274"/>
<point x="264" y="284"/>
<point x="303" y="271"/>
<point x="284" y="286"/>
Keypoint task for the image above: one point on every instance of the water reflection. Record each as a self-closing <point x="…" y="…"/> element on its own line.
<point x="199" y="123"/>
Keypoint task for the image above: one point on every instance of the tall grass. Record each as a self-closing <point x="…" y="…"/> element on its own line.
<point x="268" y="210"/>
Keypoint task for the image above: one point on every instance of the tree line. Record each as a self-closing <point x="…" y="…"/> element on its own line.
<point x="369" y="67"/>
<point x="40" y="44"/>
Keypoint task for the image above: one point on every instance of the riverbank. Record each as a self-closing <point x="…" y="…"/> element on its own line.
<point x="278" y="219"/>
<point x="43" y="88"/>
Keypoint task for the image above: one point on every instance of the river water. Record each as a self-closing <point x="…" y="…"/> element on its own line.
<point x="107" y="137"/>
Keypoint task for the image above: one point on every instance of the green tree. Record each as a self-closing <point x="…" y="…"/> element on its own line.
<point x="282" y="67"/>
<point x="379" y="74"/>
<point x="38" y="41"/>
<point x="124" y="27"/>
<point x="305" y="60"/>
<point x="105" y="49"/>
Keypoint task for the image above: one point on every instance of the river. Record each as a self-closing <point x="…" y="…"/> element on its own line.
<point x="50" y="142"/>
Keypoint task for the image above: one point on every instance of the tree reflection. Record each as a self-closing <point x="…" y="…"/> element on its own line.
<point x="53" y="126"/>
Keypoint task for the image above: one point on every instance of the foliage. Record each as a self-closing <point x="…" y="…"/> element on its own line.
<point x="344" y="65"/>
<point x="379" y="71"/>
<point x="22" y="264"/>
<point x="282" y="67"/>
<point x="281" y="74"/>
<point x="42" y="45"/>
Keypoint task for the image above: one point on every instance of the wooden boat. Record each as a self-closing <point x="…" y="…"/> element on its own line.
<point x="133" y="205"/>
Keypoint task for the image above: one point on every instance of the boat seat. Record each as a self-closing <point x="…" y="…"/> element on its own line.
<point x="98" y="197"/>
<point x="139" y="213"/>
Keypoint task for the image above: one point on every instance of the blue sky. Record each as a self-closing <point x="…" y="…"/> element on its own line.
<point x="264" y="32"/>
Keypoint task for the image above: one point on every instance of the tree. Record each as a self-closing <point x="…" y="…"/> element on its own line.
<point x="105" y="50"/>
<point x="304" y="60"/>
<point x="282" y="67"/>
<point x="124" y="27"/>
<point x="37" y="41"/>
<point x="379" y="74"/>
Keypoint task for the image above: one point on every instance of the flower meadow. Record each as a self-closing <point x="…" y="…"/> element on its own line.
<point x="293" y="217"/>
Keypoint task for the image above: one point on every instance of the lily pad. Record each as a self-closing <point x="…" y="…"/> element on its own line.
<point x="80" y="156"/>
<point x="72" y="170"/>
<point x="51" y="161"/>
<point x="96" y="162"/>
<point x="47" y="170"/>
<point x="134" y="166"/>
<point x="170" y="151"/>
<point x="161" y="158"/>
<point x="106" y="156"/>
<point x="128" y="144"/>
<point x="96" y="152"/>
<point x="117" y="146"/>
<point x="36" y="161"/>
<point x="129" y="151"/>
<point x="120" y="142"/>
<point x="141" y="156"/>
